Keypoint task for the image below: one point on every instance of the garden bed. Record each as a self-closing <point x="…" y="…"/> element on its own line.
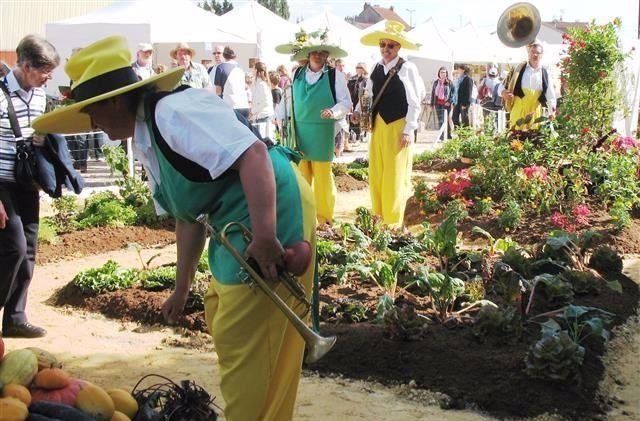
<point x="101" y="239"/>
<point x="535" y="227"/>
<point x="347" y="183"/>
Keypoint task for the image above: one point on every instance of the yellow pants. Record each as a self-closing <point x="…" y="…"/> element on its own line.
<point x="259" y="351"/>
<point x="389" y="171"/>
<point x="320" y="178"/>
<point x="524" y="106"/>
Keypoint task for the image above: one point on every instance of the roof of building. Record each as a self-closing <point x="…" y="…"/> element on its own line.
<point x="21" y="18"/>
<point x="389" y="14"/>
<point x="564" y="26"/>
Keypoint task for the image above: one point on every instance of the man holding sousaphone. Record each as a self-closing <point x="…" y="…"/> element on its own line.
<point x="397" y="89"/>
<point x="528" y="87"/>
<point x="202" y="158"/>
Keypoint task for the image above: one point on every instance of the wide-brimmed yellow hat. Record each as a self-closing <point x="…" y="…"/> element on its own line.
<point x="100" y="71"/>
<point x="182" y="46"/>
<point x="308" y="42"/>
<point x="394" y="31"/>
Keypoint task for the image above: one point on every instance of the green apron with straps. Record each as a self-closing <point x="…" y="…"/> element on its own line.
<point x="314" y="134"/>
<point x="224" y="201"/>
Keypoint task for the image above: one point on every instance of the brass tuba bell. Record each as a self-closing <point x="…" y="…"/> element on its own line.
<point x="519" y="25"/>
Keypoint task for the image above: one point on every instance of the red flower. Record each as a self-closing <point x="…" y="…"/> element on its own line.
<point x="585" y="130"/>
<point x="535" y="171"/>
<point x="602" y="73"/>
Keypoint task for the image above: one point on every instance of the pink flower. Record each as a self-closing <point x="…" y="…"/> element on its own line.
<point x="581" y="214"/>
<point x="535" y="171"/>
<point x="561" y="221"/>
<point x="453" y="185"/>
<point x="623" y="144"/>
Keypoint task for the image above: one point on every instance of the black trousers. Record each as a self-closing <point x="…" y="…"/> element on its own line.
<point x="460" y="116"/>
<point x="18" y="244"/>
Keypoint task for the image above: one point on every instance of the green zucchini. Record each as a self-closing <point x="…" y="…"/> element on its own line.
<point x="59" y="411"/>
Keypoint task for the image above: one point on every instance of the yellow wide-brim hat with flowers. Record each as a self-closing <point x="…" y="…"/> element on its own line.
<point x="100" y="71"/>
<point x="308" y="42"/>
<point x="394" y="31"/>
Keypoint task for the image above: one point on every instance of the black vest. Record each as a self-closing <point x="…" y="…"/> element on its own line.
<point x="517" y="91"/>
<point x="393" y="104"/>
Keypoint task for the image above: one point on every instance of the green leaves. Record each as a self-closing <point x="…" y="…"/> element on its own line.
<point x="555" y="357"/>
<point x="108" y="277"/>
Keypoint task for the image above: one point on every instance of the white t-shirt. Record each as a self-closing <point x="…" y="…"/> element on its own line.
<point x="198" y="125"/>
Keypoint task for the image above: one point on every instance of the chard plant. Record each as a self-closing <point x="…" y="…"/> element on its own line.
<point x="443" y="290"/>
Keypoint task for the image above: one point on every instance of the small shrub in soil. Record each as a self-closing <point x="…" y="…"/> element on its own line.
<point x="108" y="277"/>
<point x="606" y="260"/>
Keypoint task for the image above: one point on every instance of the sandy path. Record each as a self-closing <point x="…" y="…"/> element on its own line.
<point x="116" y="354"/>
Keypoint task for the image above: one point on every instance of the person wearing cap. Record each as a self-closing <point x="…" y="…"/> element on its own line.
<point x="394" y="119"/>
<point x="202" y="158"/>
<point x="528" y="89"/>
<point x="143" y="66"/>
<point x="20" y="203"/>
<point x="320" y="99"/>
<point x="195" y="74"/>
<point x="485" y="90"/>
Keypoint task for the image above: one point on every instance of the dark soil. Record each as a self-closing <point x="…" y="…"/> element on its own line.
<point x="347" y="183"/>
<point x="134" y="305"/>
<point x="440" y="166"/>
<point x="488" y="375"/>
<point x="98" y="240"/>
<point x="448" y="358"/>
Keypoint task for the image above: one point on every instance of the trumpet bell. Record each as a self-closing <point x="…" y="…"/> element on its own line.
<point x="519" y="25"/>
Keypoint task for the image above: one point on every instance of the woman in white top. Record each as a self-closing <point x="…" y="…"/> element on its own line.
<point x="262" y="101"/>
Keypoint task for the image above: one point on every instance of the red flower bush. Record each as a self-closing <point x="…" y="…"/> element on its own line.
<point x="580" y="218"/>
<point x="624" y="144"/>
<point x="535" y="172"/>
<point x="453" y="185"/>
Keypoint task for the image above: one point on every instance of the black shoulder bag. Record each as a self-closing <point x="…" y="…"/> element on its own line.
<point x="25" y="165"/>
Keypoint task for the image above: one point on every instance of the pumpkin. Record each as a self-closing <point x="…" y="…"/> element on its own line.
<point x="51" y="378"/>
<point x="66" y="395"/>
<point x="95" y="402"/>
<point x="119" y="416"/>
<point x="45" y="358"/>
<point x="124" y="402"/>
<point x="13" y="409"/>
<point x="17" y="391"/>
<point x="19" y="367"/>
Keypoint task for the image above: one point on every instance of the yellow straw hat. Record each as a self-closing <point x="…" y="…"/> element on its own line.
<point x="100" y="71"/>
<point x="394" y="31"/>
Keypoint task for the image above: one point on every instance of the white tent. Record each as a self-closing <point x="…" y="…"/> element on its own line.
<point x="263" y="28"/>
<point x="162" y="22"/>
<point x="434" y="51"/>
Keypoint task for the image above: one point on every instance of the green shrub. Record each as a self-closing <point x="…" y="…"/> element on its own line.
<point x="108" y="277"/>
<point x="511" y="217"/>
<point x="48" y="231"/>
<point x="105" y="209"/>
<point x="157" y="279"/>
<point x="67" y="209"/>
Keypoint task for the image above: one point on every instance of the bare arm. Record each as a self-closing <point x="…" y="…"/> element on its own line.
<point x="190" y="238"/>
<point x="4" y="218"/>
<point x="258" y="183"/>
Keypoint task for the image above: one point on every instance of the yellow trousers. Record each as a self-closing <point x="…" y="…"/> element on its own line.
<point x="320" y="178"/>
<point x="390" y="168"/>
<point x="259" y="351"/>
<point x="524" y="106"/>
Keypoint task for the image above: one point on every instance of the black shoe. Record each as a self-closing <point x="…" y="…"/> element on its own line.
<point x="23" y="330"/>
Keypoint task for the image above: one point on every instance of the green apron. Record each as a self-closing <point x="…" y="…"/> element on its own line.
<point x="314" y="134"/>
<point x="224" y="201"/>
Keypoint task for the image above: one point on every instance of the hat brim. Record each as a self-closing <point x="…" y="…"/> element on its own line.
<point x="373" y="39"/>
<point x="303" y="54"/>
<point x="70" y="119"/>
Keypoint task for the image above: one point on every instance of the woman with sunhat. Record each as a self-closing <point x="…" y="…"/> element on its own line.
<point x="195" y="74"/>
<point x="202" y="159"/>
<point x="320" y="99"/>
<point x="395" y="118"/>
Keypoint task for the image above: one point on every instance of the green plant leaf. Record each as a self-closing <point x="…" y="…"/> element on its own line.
<point x="615" y="285"/>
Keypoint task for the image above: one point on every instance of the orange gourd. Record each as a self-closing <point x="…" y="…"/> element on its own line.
<point x="119" y="416"/>
<point x="13" y="409"/>
<point x="51" y="378"/>
<point x="17" y="391"/>
<point x="95" y="402"/>
<point x="124" y="402"/>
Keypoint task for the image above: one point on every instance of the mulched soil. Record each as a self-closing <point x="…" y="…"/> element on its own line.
<point x="99" y="240"/>
<point x="347" y="183"/>
<point x="448" y="358"/>
<point x="487" y="375"/>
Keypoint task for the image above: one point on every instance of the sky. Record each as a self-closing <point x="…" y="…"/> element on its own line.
<point x="483" y="14"/>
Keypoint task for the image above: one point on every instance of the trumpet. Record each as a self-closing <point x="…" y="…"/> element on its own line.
<point x="316" y="345"/>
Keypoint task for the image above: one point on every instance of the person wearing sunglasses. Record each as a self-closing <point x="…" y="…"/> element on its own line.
<point x="396" y="89"/>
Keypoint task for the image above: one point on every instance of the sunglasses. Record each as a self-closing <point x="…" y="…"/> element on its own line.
<point x="390" y="45"/>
